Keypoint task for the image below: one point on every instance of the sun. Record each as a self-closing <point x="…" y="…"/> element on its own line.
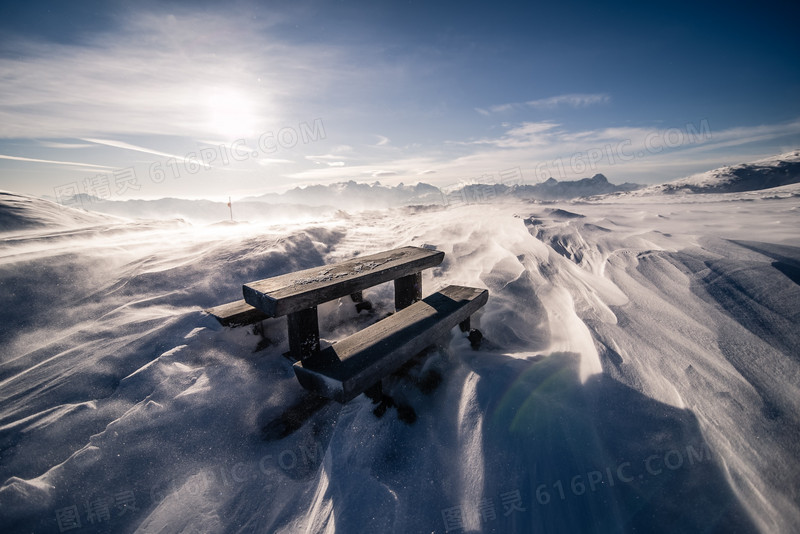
<point x="231" y="113"/>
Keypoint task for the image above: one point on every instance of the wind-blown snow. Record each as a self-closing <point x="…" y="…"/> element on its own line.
<point x="639" y="372"/>
<point x="21" y="212"/>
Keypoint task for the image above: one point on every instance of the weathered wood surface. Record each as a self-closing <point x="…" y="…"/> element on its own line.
<point x="240" y="313"/>
<point x="346" y="369"/>
<point x="407" y="290"/>
<point x="237" y="313"/>
<point x="297" y="291"/>
<point x="303" y="333"/>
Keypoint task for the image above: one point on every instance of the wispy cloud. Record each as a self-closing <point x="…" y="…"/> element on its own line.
<point x="382" y="173"/>
<point x="336" y="158"/>
<point x="55" y="144"/>
<point x="325" y="157"/>
<point x="331" y="160"/>
<point x="543" y="149"/>
<point x="135" y="148"/>
<point x="575" y="100"/>
<point x="265" y="162"/>
<point x="54" y="162"/>
<point x="738" y="136"/>
<point x="403" y="167"/>
<point x="525" y="135"/>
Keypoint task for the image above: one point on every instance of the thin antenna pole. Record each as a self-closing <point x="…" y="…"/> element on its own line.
<point x="230" y="208"/>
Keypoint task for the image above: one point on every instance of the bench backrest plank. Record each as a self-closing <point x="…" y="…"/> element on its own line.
<point x="297" y="291"/>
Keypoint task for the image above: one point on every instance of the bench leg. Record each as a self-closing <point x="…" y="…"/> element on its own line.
<point x="303" y="333"/>
<point x="464" y="325"/>
<point x="407" y="290"/>
<point x="375" y="392"/>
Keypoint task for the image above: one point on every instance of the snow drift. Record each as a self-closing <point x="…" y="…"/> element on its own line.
<point x="640" y="373"/>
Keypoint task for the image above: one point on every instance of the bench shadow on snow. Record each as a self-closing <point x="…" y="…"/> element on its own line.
<point x="593" y="457"/>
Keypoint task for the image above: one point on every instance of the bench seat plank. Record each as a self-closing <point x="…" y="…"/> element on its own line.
<point x="297" y="291"/>
<point x="237" y="313"/>
<point x="347" y="368"/>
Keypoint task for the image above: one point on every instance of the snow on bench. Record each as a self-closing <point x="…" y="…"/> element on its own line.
<point x="288" y="293"/>
<point x="349" y="367"/>
<point x="297" y="294"/>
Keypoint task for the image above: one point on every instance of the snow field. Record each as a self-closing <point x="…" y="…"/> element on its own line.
<point x="639" y="373"/>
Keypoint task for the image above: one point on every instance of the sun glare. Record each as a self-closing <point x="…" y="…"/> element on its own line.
<point x="231" y="114"/>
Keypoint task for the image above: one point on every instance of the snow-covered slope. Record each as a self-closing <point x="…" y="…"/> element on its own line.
<point x="640" y="373"/>
<point x="23" y="212"/>
<point x="775" y="171"/>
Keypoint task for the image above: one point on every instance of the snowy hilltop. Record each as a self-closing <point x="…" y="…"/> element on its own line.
<point x="775" y="171"/>
<point x="23" y="212"/>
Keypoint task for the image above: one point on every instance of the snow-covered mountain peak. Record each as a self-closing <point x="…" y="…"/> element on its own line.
<point x="766" y="173"/>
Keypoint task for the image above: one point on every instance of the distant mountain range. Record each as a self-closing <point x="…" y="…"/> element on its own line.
<point x="552" y="189"/>
<point x="766" y="173"/>
<point x="315" y="199"/>
<point x="347" y="195"/>
<point x="352" y="194"/>
<point x="18" y="212"/>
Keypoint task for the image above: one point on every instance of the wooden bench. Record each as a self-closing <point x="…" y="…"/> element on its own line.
<point x="292" y="292"/>
<point x="353" y="365"/>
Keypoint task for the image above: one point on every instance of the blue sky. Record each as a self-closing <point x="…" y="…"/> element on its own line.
<point x="206" y="100"/>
